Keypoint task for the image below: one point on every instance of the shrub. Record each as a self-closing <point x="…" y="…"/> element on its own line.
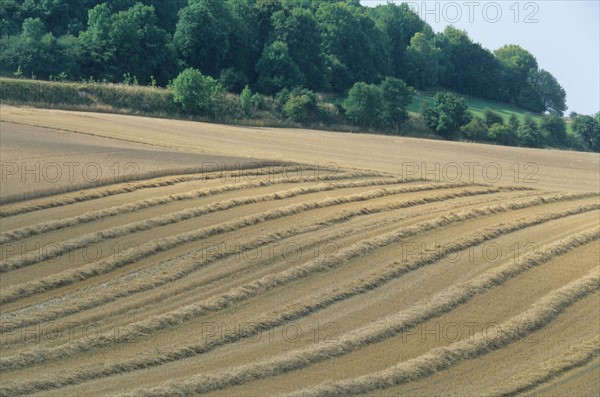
<point x="397" y="95"/>
<point x="300" y="105"/>
<point x="233" y="80"/>
<point x="528" y="133"/>
<point x="447" y="115"/>
<point x="258" y="101"/>
<point x="492" y="117"/>
<point x="555" y="129"/>
<point x="364" y="104"/>
<point x="246" y="100"/>
<point x="475" y="130"/>
<point x="502" y="135"/>
<point x="588" y="128"/>
<point x="196" y="92"/>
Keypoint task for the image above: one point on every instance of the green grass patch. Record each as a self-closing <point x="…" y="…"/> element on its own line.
<point x="476" y="106"/>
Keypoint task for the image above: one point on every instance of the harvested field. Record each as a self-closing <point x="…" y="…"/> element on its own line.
<point x="240" y="261"/>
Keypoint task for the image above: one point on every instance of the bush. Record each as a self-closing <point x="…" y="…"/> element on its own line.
<point x="233" y="80"/>
<point x="397" y="95"/>
<point x="447" y="115"/>
<point x="575" y="141"/>
<point x="196" y="92"/>
<point x="528" y="133"/>
<point x="364" y="104"/>
<point x="475" y="130"/>
<point x="502" y="135"/>
<point x="246" y="100"/>
<point x="555" y="129"/>
<point x="258" y="101"/>
<point x="277" y="70"/>
<point x="492" y="117"/>
<point x="588" y="128"/>
<point x="301" y="105"/>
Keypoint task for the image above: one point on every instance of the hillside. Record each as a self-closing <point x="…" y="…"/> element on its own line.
<point x="293" y="262"/>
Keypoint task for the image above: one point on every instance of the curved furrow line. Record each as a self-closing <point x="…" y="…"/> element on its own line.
<point x="543" y="312"/>
<point x="373" y="333"/>
<point x="91" y="216"/>
<point x="176" y="268"/>
<point x="12" y="293"/>
<point x="390" y="326"/>
<point x="128" y="187"/>
<point x="576" y="356"/>
<point x="248" y="290"/>
<point x="190" y="213"/>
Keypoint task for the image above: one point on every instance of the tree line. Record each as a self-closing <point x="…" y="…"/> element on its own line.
<point x="285" y="49"/>
<point x="322" y="45"/>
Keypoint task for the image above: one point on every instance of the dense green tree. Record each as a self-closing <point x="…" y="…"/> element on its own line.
<point x="297" y="28"/>
<point x="202" y="34"/>
<point x="447" y="115"/>
<point x="11" y="17"/>
<point x="517" y="66"/>
<point x="424" y="62"/>
<point x="352" y="43"/>
<point x="529" y="133"/>
<point x="243" y="47"/>
<point x="38" y="53"/>
<point x="555" y="129"/>
<point x="269" y="45"/>
<point x="264" y="10"/>
<point x="588" y="128"/>
<point x="467" y="66"/>
<point x="95" y="42"/>
<point x="60" y="16"/>
<point x="364" y="104"/>
<point x="127" y="42"/>
<point x="167" y="12"/>
<point x="397" y="95"/>
<point x="141" y="47"/>
<point x="277" y="70"/>
<point x="551" y="95"/>
<point x="399" y="24"/>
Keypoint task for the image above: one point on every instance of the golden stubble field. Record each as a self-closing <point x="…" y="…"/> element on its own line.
<point x="156" y="257"/>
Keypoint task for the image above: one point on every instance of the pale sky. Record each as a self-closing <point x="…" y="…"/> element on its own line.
<point x="564" y="36"/>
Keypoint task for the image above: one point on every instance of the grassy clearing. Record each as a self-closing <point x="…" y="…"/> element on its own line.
<point x="476" y="106"/>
